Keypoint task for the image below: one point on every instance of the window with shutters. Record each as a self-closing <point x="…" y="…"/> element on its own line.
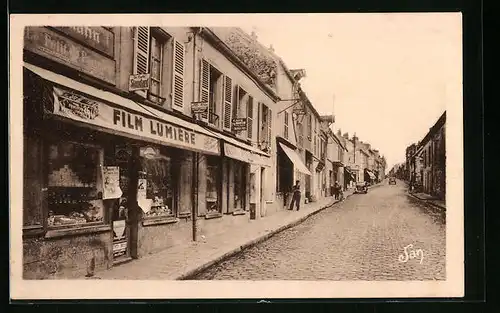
<point x="215" y="96"/>
<point x="263" y="129"/>
<point x="240" y="99"/>
<point x="178" y="69"/>
<point x="149" y="52"/>
<point x="286" y="125"/>
<point x="309" y="127"/>
<point x="269" y="130"/>
<point x="250" y="117"/>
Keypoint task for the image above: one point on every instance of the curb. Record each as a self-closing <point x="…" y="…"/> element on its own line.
<point x="251" y="243"/>
<point x="426" y="202"/>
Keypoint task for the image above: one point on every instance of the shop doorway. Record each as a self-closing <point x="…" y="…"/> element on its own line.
<point x="120" y="208"/>
<point x="240" y="186"/>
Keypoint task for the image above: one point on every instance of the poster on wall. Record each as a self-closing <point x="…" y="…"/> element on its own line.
<point x="144" y="203"/>
<point x="111" y="179"/>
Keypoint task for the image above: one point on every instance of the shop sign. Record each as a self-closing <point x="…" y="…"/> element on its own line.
<point x="119" y="229"/>
<point x="239" y="124"/>
<point x="299" y="111"/>
<point x="50" y="44"/>
<point x="139" y="82"/>
<point x="76" y="107"/>
<point x="111" y="182"/>
<point x="148" y="152"/>
<point x="119" y="248"/>
<point x="97" y="37"/>
<point x="199" y="107"/>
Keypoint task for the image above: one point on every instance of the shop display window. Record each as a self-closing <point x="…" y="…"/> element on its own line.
<point x="239" y="186"/>
<point x="159" y="185"/>
<point x="212" y="183"/>
<point x="74" y="184"/>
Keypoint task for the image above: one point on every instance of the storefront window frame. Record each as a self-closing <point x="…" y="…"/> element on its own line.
<point x="100" y="149"/>
<point x="170" y="153"/>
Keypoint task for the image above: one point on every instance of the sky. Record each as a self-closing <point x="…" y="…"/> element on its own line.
<point x="385" y="77"/>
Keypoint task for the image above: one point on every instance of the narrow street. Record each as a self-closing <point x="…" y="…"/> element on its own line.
<point x="363" y="238"/>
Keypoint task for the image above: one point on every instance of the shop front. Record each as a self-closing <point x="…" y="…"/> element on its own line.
<point x="105" y="179"/>
<point x="244" y="178"/>
<point x="296" y="163"/>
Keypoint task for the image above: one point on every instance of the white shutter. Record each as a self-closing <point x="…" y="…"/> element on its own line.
<point x="178" y="75"/>
<point x="204" y="86"/>
<point x="269" y="129"/>
<point x="141" y="53"/>
<point x="250" y="117"/>
<point x="228" y="103"/>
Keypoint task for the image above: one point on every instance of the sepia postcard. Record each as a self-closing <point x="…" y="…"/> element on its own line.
<point x="178" y="156"/>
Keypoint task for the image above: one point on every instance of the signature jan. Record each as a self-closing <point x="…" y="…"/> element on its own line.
<point x="410" y="254"/>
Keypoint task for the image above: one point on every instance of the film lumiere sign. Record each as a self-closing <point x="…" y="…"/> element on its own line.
<point x="76" y="107"/>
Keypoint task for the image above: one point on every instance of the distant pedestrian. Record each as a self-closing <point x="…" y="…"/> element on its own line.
<point x="336" y="190"/>
<point x="295" y="195"/>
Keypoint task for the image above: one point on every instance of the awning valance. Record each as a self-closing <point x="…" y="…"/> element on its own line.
<point x="372" y="176"/>
<point x="245" y="155"/>
<point x="294" y="157"/>
<point x="110" y="112"/>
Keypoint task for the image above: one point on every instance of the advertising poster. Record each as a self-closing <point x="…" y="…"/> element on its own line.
<point x="144" y="203"/>
<point x="111" y="182"/>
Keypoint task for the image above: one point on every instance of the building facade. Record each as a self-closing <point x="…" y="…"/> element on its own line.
<point x="432" y="156"/>
<point x="111" y="137"/>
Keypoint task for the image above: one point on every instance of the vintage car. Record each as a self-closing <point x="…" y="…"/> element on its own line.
<point x="361" y="187"/>
<point x="392" y="181"/>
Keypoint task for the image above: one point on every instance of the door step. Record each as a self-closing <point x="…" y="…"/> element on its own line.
<point x="122" y="260"/>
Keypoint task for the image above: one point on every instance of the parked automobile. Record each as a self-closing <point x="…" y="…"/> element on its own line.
<point x="361" y="187"/>
<point x="392" y="181"/>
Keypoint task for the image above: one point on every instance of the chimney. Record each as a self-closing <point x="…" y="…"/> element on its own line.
<point x="346" y="136"/>
<point x="271" y="48"/>
<point x="339" y="133"/>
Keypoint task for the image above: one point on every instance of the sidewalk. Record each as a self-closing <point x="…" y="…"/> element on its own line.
<point x="428" y="199"/>
<point x="186" y="260"/>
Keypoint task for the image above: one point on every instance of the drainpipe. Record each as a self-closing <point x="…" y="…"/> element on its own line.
<point x="194" y="186"/>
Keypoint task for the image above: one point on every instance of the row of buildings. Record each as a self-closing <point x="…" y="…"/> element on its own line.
<point x="137" y="139"/>
<point x="425" y="165"/>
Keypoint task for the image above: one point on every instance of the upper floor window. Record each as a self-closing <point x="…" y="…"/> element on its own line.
<point x="149" y="49"/>
<point x="286" y="125"/>
<point x="214" y="98"/>
<point x="265" y="127"/>
<point x="309" y="133"/>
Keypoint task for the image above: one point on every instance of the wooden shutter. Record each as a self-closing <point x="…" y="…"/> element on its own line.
<point x="178" y="75"/>
<point x="228" y="103"/>
<point x="269" y="128"/>
<point x="250" y="117"/>
<point x="204" y="85"/>
<point x="236" y="101"/>
<point x="141" y="53"/>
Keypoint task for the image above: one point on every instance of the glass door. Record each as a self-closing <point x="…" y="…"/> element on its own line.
<point x="120" y="213"/>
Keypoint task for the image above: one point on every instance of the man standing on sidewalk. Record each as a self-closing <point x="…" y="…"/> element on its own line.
<point x="295" y="195"/>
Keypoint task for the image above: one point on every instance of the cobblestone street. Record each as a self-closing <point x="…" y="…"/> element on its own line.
<point x="363" y="238"/>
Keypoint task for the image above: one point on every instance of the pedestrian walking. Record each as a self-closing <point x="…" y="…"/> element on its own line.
<point x="295" y="196"/>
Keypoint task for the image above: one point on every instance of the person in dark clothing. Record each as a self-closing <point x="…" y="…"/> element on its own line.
<point x="336" y="189"/>
<point x="295" y="195"/>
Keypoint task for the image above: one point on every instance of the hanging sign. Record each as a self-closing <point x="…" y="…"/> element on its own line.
<point x="199" y="107"/>
<point x="144" y="203"/>
<point x="148" y="152"/>
<point x="111" y="179"/>
<point x="139" y="82"/>
<point x="239" y="124"/>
